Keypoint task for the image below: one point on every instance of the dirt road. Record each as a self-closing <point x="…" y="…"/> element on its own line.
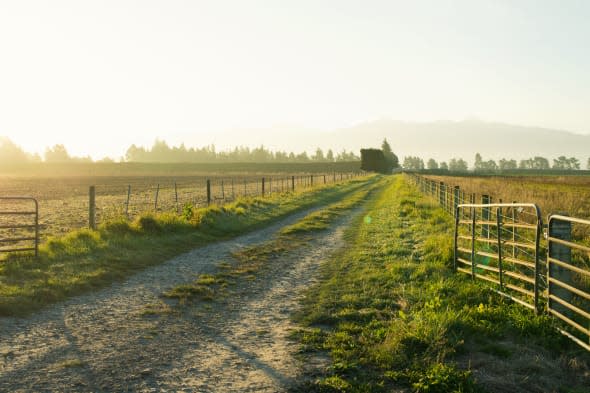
<point x="129" y="338"/>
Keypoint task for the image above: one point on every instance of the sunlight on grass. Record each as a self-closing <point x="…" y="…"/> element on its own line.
<point x="393" y="315"/>
<point x="85" y="260"/>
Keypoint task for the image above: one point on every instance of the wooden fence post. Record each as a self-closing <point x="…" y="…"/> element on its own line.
<point x="92" y="207"/>
<point x="292" y="183"/>
<point x="176" y="197"/>
<point x="441" y="194"/>
<point x="127" y="203"/>
<point x="156" y="201"/>
<point x="263" y="186"/>
<point x="208" y="192"/>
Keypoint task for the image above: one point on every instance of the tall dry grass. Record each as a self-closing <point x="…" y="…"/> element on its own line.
<point x="553" y="194"/>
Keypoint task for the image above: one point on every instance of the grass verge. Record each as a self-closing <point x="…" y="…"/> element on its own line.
<point x="250" y="260"/>
<point x="85" y="260"/>
<point x="393" y="316"/>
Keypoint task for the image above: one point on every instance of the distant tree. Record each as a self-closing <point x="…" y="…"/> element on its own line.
<point x="281" y="156"/>
<point x="505" y="164"/>
<point x="10" y="153"/>
<point x="302" y="157"/>
<point x="390" y="156"/>
<point x="330" y="156"/>
<point x="431" y="164"/>
<point x="481" y="165"/>
<point x="478" y="164"/>
<point x="538" y="163"/>
<point x="319" y="155"/>
<point x="135" y="154"/>
<point x="458" y="165"/>
<point x="444" y="166"/>
<point x="563" y="162"/>
<point x="57" y="153"/>
<point x="413" y="163"/>
<point x="490" y="165"/>
<point x="345" y="156"/>
<point x="525" y="164"/>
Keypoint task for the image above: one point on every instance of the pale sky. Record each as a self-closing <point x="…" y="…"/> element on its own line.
<point x="98" y="76"/>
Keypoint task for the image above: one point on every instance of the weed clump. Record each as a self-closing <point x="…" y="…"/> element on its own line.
<point x="148" y="224"/>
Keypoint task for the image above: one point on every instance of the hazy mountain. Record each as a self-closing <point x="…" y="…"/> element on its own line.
<point x="446" y="139"/>
<point x="440" y="140"/>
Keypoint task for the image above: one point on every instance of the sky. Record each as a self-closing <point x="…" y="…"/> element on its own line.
<point x="98" y="76"/>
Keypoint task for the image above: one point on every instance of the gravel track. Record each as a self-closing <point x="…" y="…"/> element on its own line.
<point x="109" y="341"/>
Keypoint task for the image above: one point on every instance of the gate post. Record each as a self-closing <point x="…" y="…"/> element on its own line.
<point x="559" y="230"/>
<point x="92" y="207"/>
<point x="208" y="192"/>
<point x="485" y="216"/>
<point x="456" y="196"/>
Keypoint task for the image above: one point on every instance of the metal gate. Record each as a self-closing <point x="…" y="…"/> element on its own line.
<point x="499" y="243"/>
<point x="19" y="224"/>
<point x="568" y="275"/>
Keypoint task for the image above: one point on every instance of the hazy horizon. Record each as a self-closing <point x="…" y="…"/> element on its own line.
<point x="98" y="77"/>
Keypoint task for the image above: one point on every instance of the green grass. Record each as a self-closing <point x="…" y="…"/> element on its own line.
<point x="85" y="260"/>
<point x="391" y="313"/>
<point x="251" y="259"/>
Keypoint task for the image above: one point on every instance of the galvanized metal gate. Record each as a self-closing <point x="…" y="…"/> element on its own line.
<point x="499" y="243"/>
<point x="568" y="275"/>
<point x="19" y="224"/>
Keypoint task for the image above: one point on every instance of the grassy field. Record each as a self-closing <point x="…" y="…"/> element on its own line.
<point x="391" y="315"/>
<point x="84" y="260"/>
<point x="552" y="193"/>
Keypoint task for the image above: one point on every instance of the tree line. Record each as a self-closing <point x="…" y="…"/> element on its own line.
<point x="460" y="165"/>
<point x="161" y="152"/>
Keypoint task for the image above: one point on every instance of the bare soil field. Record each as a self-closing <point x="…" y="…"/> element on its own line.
<point x="64" y="201"/>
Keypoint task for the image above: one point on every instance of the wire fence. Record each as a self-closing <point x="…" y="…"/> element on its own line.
<point x="66" y="204"/>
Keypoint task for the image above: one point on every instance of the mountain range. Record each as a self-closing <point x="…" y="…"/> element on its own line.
<point x="440" y="140"/>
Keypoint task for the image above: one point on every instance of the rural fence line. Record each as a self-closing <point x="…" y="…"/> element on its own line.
<point x="543" y="267"/>
<point x="216" y="191"/>
<point x="25" y="222"/>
